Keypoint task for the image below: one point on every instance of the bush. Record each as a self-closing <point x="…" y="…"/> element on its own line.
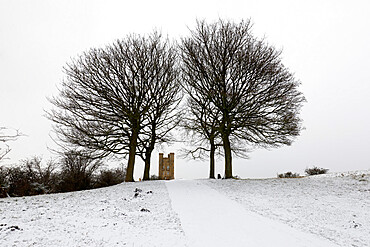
<point x="19" y="182"/>
<point x="77" y="172"/>
<point x="41" y="176"/>
<point x="315" y="171"/>
<point x="3" y="182"/>
<point x="28" y="178"/>
<point x="110" y="177"/>
<point x="3" y="175"/>
<point x="288" y="175"/>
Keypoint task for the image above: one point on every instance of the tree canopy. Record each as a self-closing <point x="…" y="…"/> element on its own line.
<point x="124" y="99"/>
<point x="244" y="80"/>
<point x="118" y="97"/>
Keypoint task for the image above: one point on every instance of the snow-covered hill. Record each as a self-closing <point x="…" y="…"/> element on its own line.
<point x="131" y="214"/>
<point x="333" y="207"/>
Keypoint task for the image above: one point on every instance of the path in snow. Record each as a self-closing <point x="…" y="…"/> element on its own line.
<point x="211" y="219"/>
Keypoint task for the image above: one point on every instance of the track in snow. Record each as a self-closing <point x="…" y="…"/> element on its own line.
<point x="211" y="219"/>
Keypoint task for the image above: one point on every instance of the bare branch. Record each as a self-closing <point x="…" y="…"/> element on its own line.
<point x="115" y="99"/>
<point x="7" y="135"/>
<point x="254" y="99"/>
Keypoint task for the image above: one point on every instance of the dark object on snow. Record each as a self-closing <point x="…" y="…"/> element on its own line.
<point x="288" y="175"/>
<point x="154" y="177"/>
<point x="149" y="192"/>
<point x="219" y="176"/>
<point x="137" y="192"/>
<point x="315" y="171"/>
<point x="145" y="210"/>
<point x="13" y="228"/>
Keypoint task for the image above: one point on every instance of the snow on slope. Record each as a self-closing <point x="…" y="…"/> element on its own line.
<point x="211" y="219"/>
<point x="334" y="206"/>
<point x="103" y="217"/>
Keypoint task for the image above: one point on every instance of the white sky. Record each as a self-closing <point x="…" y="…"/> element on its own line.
<point x="325" y="43"/>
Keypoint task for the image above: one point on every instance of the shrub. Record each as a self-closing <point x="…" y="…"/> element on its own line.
<point x="41" y="176"/>
<point x="110" y="177"/>
<point x="3" y="182"/>
<point x="3" y="175"/>
<point x="77" y="171"/>
<point x="19" y="181"/>
<point x="28" y="178"/>
<point x="288" y="175"/>
<point x="315" y="171"/>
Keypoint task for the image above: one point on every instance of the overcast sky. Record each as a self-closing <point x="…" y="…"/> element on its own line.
<point x="325" y="43"/>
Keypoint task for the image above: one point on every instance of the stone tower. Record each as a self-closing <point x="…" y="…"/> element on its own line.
<point x="167" y="167"/>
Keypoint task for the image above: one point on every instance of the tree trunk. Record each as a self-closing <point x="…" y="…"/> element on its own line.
<point x="148" y="155"/>
<point x="131" y="157"/>
<point x="228" y="157"/>
<point x="212" y="160"/>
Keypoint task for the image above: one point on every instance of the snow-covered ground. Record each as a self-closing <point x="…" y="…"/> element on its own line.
<point x="324" y="210"/>
<point x="212" y="219"/>
<point x="333" y="206"/>
<point x="111" y="216"/>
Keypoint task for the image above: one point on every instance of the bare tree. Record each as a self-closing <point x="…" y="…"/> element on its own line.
<point x="245" y="80"/>
<point x="107" y="95"/>
<point x="162" y="116"/>
<point x="201" y="128"/>
<point x="7" y="135"/>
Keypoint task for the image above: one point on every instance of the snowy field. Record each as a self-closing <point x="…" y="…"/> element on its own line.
<point x="334" y="206"/>
<point x="324" y="210"/>
<point x="112" y="216"/>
